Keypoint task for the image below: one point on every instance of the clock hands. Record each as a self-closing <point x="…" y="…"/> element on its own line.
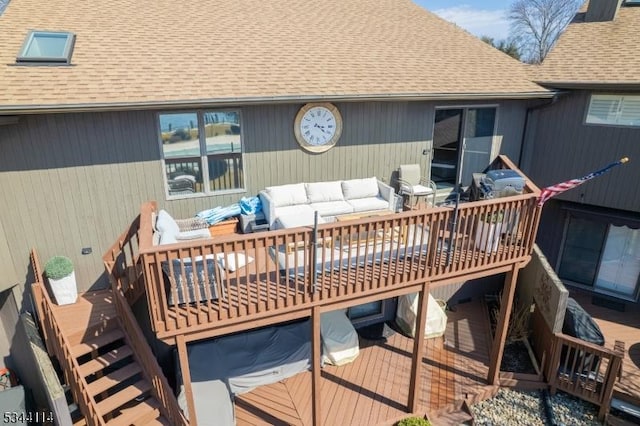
<point x="319" y="127"/>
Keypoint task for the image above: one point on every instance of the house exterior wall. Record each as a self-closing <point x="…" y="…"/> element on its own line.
<point x="76" y="180"/>
<point x="564" y="147"/>
<point x="8" y="277"/>
<point x="560" y="146"/>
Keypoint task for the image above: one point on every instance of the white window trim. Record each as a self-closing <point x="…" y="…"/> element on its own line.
<point x="203" y="157"/>
<point x="612" y="97"/>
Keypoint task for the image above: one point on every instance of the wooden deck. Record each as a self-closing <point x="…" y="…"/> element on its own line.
<point x="374" y="388"/>
<point x="92" y="314"/>
<point x="623" y="326"/>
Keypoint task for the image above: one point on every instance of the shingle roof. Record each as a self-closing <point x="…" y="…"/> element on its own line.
<point x="596" y="52"/>
<point x="163" y="51"/>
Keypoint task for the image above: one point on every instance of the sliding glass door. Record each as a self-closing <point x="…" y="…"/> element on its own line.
<point x="462" y="138"/>
<point x="602" y="256"/>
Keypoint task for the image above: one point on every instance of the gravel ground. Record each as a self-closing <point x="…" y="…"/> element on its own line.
<point x="518" y="408"/>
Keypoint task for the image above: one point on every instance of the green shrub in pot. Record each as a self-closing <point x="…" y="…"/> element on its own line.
<point x="62" y="278"/>
<point x="58" y="267"/>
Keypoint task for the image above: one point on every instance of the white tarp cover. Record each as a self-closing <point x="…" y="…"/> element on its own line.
<point x="408" y="310"/>
<point x="339" y="338"/>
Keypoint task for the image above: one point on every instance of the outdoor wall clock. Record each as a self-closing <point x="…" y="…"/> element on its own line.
<point x="318" y="126"/>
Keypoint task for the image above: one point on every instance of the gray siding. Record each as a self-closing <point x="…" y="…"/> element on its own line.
<point x="8" y="277"/>
<point x="563" y="147"/>
<point x="69" y="181"/>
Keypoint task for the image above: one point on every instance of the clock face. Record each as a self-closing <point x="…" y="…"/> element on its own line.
<point x="318" y="126"/>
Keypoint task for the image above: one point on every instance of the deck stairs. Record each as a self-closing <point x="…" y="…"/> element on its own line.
<point x="116" y="381"/>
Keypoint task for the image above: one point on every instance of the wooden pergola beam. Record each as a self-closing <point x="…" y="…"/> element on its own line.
<point x="497" y="348"/>
<point x="418" y="350"/>
<point x="186" y="378"/>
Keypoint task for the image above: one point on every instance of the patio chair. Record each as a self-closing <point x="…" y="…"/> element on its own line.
<point x="413" y="186"/>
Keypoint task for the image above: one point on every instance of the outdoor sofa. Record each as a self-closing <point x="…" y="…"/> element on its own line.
<point x="289" y="206"/>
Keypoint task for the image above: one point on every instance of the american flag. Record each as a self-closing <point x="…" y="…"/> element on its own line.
<point x="556" y="189"/>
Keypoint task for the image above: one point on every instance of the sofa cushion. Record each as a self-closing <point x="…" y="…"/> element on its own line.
<point x="166" y="225"/>
<point x="295" y="220"/>
<point x="194" y="234"/>
<point x="287" y="195"/>
<point x="302" y="209"/>
<point x="370" y="203"/>
<point x="332" y="208"/>
<point x="320" y="192"/>
<point x="360" y="188"/>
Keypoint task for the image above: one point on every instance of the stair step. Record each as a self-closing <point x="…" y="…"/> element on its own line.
<point x="97" y="342"/>
<point x="112" y="379"/>
<point x="140" y="414"/>
<point x="120" y="398"/>
<point x="105" y="360"/>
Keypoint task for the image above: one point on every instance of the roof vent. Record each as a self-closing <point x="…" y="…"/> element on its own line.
<point x="47" y="47"/>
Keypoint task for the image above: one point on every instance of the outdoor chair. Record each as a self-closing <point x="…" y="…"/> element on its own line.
<point x="413" y="186"/>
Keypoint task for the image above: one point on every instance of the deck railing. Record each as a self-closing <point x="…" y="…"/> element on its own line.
<point x="585" y="370"/>
<point x="122" y="263"/>
<point x="61" y="348"/>
<point x="191" y="286"/>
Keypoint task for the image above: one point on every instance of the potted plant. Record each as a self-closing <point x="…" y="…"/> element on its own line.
<point x="62" y="278"/>
<point x="489" y="230"/>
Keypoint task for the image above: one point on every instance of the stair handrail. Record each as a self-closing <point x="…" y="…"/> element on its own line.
<point x="122" y="259"/>
<point x="142" y="352"/>
<point x="62" y="349"/>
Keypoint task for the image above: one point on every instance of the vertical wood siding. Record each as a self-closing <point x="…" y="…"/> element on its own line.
<point x="69" y="181"/>
<point x="8" y="276"/>
<point x="564" y="148"/>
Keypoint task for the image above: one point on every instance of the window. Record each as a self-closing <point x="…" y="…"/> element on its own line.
<point x="600" y="255"/>
<point x="202" y="152"/>
<point x="47" y="47"/>
<point x="618" y="110"/>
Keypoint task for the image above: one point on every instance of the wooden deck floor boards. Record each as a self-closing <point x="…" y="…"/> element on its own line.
<point x="374" y="388"/>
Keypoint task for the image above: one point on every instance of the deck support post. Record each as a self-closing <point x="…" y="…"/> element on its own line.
<point x="185" y="372"/>
<point x="497" y="348"/>
<point x="418" y="350"/>
<point x="316" y="352"/>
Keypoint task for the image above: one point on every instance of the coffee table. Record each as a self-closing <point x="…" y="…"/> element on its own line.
<point x="379" y="235"/>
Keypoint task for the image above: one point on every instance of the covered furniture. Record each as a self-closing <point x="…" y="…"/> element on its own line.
<point x="301" y="200"/>
<point x="339" y="338"/>
<point x="408" y="311"/>
<point x="235" y="364"/>
<point x="413" y="185"/>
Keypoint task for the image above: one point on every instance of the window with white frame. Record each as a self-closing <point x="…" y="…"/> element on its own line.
<point x="617" y="110"/>
<point x="202" y="152"/>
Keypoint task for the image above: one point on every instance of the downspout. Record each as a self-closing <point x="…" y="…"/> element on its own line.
<point x="523" y="141"/>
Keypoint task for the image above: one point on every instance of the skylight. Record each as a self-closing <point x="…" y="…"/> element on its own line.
<point x="47" y="47"/>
